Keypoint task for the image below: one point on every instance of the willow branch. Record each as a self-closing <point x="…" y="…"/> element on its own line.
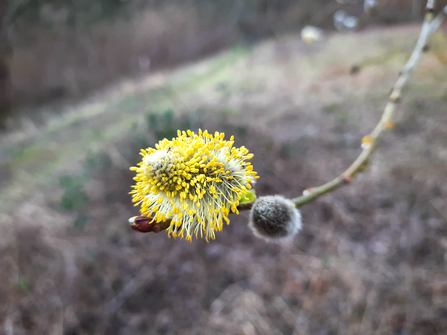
<point x="369" y="142"/>
<point x="146" y="224"/>
<point x="437" y="22"/>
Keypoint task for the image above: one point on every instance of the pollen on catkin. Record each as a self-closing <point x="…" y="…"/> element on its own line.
<point x="194" y="181"/>
<point x="275" y="218"/>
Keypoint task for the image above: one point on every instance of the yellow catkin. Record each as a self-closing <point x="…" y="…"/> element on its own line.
<point x="192" y="180"/>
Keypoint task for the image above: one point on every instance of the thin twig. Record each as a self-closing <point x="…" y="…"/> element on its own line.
<point x="434" y="26"/>
<point x="330" y="9"/>
<point x="436" y="23"/>
<point x="369" y="142"/>
<point x="13" y="12"/>
<point x="17" y="8"/>
<point x="366" y="16"/>
<point x="441" y="215"/>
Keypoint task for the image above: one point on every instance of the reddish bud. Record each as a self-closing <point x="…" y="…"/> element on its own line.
<point x="144" y="224"/>
<point x="346" y="179"/>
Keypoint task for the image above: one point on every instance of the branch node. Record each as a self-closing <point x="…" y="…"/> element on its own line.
<point x="346" y="179"/>
<point x="389" y="125"/>
<point x="307" y="192"/>
<point x="366" y="142"/>
<point x="354" y="69"/>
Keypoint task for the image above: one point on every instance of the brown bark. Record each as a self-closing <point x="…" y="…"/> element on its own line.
<point x="5" y="74"/>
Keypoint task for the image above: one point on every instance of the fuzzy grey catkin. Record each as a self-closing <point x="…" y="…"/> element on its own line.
<point x="275" y="218"/>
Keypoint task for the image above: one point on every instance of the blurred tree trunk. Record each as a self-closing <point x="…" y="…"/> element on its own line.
<point x="5" y="56"/>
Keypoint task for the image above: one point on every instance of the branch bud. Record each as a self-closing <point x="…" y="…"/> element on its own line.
<point x="275" y="218"/>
